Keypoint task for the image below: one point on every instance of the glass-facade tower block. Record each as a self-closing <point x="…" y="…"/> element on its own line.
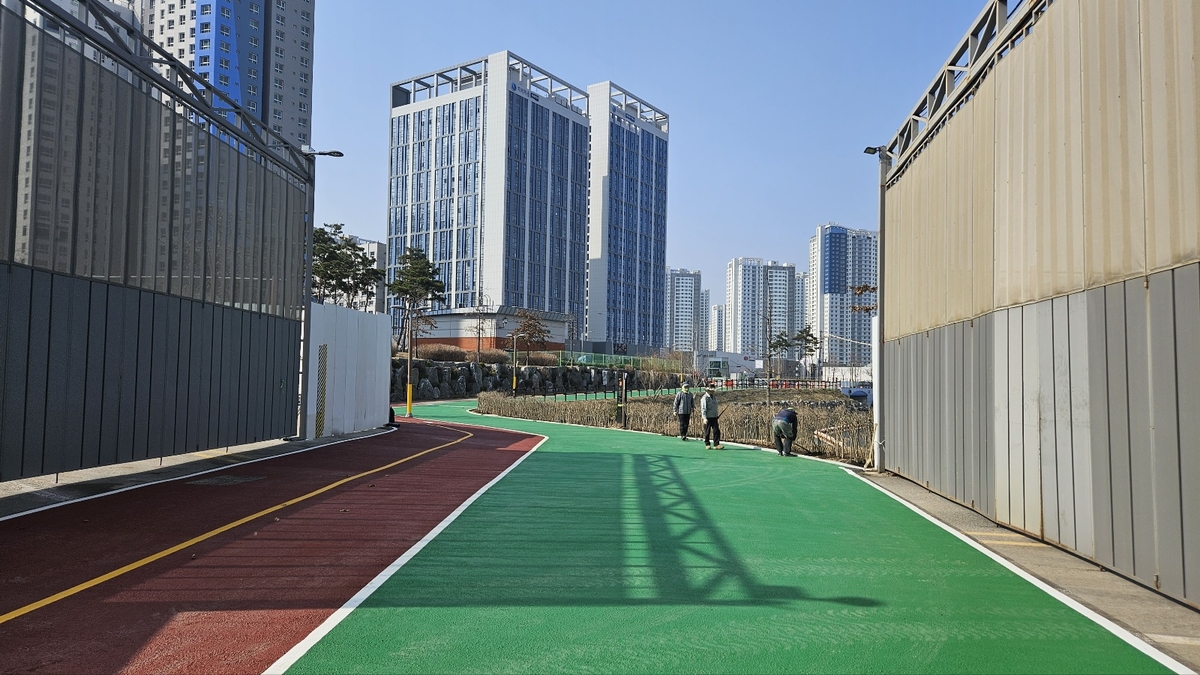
<point x="492" y="166"/>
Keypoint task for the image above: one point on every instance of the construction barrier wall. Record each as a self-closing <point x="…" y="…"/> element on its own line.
<point x="1042" y="291"/>
<point x="350" y="373"/>
<point x="151" y="253"/>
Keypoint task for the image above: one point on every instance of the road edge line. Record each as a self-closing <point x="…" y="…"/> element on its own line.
<point x="1104" y="622"/>
<point x="301" y="648"/>
<point x="127" y="488"/>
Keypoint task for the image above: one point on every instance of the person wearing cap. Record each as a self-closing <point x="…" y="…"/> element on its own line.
<point x="784" y="428"/>
<point x="711" y="412"/>
<point x="684" y="403"/>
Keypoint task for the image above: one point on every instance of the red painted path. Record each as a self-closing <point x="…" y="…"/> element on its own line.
<point x="235" y="602"/>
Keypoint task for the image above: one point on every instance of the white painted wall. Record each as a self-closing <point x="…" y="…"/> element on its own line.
<point x="357" y="370"/>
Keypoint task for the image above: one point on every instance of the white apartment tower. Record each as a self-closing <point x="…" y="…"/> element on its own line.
<point x="716" y="329"/>
<point x="702" y="312"/>
<point x="840" y="261"/>
<point x="684" y="308"/>
<point x="760" y="299"/>
<point x="257" y="52"/>
<point x="529" y="192"/>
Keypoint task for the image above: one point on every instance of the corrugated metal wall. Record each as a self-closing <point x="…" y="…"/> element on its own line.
<point x="1074" y="163"/>
<point x="93" y="373"/>
<point x="1076" y="419"/>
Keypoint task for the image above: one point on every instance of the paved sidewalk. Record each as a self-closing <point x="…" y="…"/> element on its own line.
<point x="25" y="494"/>
<point x="1168" y="625"/>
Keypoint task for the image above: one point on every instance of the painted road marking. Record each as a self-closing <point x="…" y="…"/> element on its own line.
<point x="1001" y="542"/>
<point x="295" y="653"/>
<point x="1133" y="640"/>
<point x="996" y="533"/>
<point x="212" y="533"/>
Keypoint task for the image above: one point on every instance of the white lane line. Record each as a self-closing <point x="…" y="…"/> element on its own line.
<point x="190" y="475"/>
<point x="1133" y="640"/>
<point x="295" y="653"/>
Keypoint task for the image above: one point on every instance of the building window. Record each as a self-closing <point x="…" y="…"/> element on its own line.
<point x="170" y="42"/>
<point x="205" y="27"/>
<point x="277" y="99"/>
<point x="252" y="90"/>
<point x="277" y="114"/>
<point x="204" y="60"/>
<point x="226" y="12"/>
<point x="303" y="121"/>
<point x="279" y="52"/>
<point x="252" y="73"/>
<point x="303" y="138"/>
<point x="253" y="57"/>
<point x="252" y="106"/>
<point x="225" y="30"/>
<point x="253" y="43"/>
<point x="170" y="23"/>
<point x="224" y="46"/>
<point x="223" y="62"/>
<point x="193" y="31"/>
<point x="304" y="92"/>
<point x="303" y="46"/>
<point x="277" y="128"/>
<point x="278" y="83"/>
<point x="278" y="67"/>
<point x="254" y="7"/>
<point x="280" y="4"/>
<point x="205" y="44"/>
<point x="303" y="107"/>
<point x="304" y="61"/>
<point x="253" y="24"/>
<point x="181" y="52"/>
<point x="305" y="15"/>
<point x="304" y="31"/>
<point x="223" y="80"/>
<point x="279" y="35"/>
<point x="205" y="10"/>
<point x="304" y="77"/>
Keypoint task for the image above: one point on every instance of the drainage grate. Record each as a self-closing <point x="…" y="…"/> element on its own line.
<point x="224" y="480"/>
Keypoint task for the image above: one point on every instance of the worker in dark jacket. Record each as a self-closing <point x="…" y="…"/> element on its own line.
<point x="784" y="427"/>
<point x="684" y="404"/>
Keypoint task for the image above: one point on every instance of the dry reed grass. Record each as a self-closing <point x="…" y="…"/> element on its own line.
<point x="845" y="428"/>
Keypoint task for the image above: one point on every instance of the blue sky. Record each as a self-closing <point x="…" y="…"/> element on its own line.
<point x="771" y="103"/>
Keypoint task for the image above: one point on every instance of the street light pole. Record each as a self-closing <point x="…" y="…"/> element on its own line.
<point x="885" y="166"/>
<point x="310" y="156"/>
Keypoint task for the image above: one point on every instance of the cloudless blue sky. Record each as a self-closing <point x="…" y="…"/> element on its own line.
<point x="770" y="103"/>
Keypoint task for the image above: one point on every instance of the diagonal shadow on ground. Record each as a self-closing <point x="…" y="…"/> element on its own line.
<point x="575" y="529"/>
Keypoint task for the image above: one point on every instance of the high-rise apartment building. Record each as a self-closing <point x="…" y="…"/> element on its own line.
<point x="716" y="329"/>
<point x="743" y="302"/>
<point x="760" y="299"/>
<point x="628" y="222"/>
<point x="842" y="260"/>
<point x="684" y="307"/>
<point x="259" y="53"/>
<point x="529" y="192"/>
<point x="800" y="302"/>
<point x="702" y="312"/>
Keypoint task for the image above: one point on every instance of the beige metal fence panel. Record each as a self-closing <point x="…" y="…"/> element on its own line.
<point x="983" y="197"/>
<point x="1170" y="46"/>
<point x="1010" y="159"/>
<point x="1055" y="60"/>
<point x="959" y="188"/>
<point x="935" y="262"/>
<point x="1113" y="194"/>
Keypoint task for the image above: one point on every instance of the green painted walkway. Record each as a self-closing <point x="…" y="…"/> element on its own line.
<point x="618" y="552"/>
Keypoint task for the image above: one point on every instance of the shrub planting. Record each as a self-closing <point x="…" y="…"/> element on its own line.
<point x="440" y="352"/>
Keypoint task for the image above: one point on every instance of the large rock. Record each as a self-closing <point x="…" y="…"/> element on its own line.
<point x="446" y="391"/>
<point x="426" y="391"/>
<point x="459" y="388"/>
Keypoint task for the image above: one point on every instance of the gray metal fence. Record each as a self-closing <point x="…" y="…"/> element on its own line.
<point x="151" y="251"/>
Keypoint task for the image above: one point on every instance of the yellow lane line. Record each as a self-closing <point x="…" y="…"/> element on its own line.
<point x="212" y="533"/>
